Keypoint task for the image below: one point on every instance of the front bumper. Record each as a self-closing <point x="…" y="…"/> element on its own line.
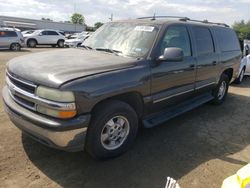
<point x="68" y="135"/>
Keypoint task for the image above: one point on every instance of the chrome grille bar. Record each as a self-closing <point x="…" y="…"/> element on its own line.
<point x="15" y="90"/>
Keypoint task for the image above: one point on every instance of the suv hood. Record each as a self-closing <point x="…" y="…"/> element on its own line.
<point x="53" y="68"/>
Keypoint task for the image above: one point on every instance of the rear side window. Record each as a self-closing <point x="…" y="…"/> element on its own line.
<point x="8" y="34"/>
<point x="52" y="33"/>
<point x="204" y="41"/>
<point x="227" y="39"/>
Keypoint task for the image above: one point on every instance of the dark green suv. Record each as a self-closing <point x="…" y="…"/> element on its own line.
<point x="143" y="70"/>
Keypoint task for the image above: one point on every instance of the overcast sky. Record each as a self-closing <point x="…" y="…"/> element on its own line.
<point x="226" y="11"/>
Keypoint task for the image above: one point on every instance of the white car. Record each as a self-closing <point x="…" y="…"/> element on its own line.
<point x="245" y="63"/>
<point x="76" y="41"/>
<point x="45" y="37"/>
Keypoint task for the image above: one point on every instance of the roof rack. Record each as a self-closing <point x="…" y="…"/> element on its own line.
<point x="154" y="17"/>
<point x="207" y="22"/>
<point x="185" y="19"/>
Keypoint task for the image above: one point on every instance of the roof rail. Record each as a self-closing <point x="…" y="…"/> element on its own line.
<point x="185" y="19"/>
<point x="207" y="22"/>
<point x="154" y="17"/>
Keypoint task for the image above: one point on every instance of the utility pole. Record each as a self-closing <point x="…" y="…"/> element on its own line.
<point x="111" y="17"/>
<point x="74" y="13"/>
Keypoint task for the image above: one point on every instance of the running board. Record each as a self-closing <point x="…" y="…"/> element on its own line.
<point x="161" y="117"/>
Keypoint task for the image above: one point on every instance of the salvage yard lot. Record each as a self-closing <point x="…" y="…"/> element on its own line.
<point x="199" y="149"/>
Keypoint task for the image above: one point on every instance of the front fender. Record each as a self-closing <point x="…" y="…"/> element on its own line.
<point x="93" y="89"/>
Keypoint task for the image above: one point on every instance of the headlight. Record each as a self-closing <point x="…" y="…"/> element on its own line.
<point x="66" y="99"/>
<point x="55" y="95"/>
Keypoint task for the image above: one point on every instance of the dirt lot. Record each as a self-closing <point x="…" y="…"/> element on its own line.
<point x="199" y="148"/>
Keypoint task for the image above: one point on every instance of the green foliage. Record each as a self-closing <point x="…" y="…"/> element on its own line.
<point x="77" y="18"/>
<point x="242" y="29"/>
<point x="98" y="24"/>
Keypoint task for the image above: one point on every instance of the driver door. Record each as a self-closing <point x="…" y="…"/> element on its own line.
<point x="172" y="82"/>
<point x="42" y="38"/>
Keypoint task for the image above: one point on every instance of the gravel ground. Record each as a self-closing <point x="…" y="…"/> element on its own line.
<point x="199" y="149"/>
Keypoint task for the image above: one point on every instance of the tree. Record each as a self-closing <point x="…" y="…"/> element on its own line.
<point x="98" y="24"/>
<point x="242" y="29"/>
<point x="77" y="18"/>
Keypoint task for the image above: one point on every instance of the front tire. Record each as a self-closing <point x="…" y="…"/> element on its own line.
<point x="32" y="43"/>
<point x="112" y="131"/>
<point x="60" y="43"/>
<point x="220" y="92"/>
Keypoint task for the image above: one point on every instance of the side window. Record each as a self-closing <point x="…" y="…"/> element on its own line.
<point x="227" y="39"/>
<point x="203" y="40"/>
<point x="11" y="34"/>
<point x="177" y="36"/>
<point x="8" y="34"/>
<point x="52" y="33"/>
<point x="44" y="32"/>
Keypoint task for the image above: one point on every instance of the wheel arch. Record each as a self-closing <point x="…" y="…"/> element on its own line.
<point x="30" y="40"/>
<point x="134" y="99"/>
<point x="229" y="73"/>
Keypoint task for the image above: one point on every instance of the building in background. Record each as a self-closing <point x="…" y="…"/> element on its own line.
<point x="31" y="24"/>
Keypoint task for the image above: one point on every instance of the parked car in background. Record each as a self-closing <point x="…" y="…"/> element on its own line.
<point x="245" y="63"/>
<point x="45" y="37"/>
<point x="76" y="41"/>
<point x="146" y="70"/>
<point x="11" y="38"/>
<point x="27" y="32"/>
<point x="247" y="56"/>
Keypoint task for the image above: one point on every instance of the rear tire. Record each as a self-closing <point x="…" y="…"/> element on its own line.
<point x="15" y="47"/>
<point x="240" y="77"/>
<point x="221" y="90"/>
<point x="60" y="43"/>
<point x="112" y="131"/>
<point x="32" y="43"/>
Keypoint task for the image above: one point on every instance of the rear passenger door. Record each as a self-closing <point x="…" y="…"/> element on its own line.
<point x="206" y="57"/>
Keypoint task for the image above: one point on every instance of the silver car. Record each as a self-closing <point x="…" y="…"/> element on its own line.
<point x="11" y="38"/>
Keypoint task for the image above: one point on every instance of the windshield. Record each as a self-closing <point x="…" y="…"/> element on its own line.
<point x="130" y="39"/>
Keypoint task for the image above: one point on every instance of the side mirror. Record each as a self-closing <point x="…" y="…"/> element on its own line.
<point x="172" y="54"/>
<point x="40" y="34"/>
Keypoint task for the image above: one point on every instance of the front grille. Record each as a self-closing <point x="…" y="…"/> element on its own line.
<point x="26" y="86"/>
<point x="23" y="93"/>
<point x="20" y="90"/>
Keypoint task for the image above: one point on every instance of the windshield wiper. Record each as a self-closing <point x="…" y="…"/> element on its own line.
<point x="116" y="52"/>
